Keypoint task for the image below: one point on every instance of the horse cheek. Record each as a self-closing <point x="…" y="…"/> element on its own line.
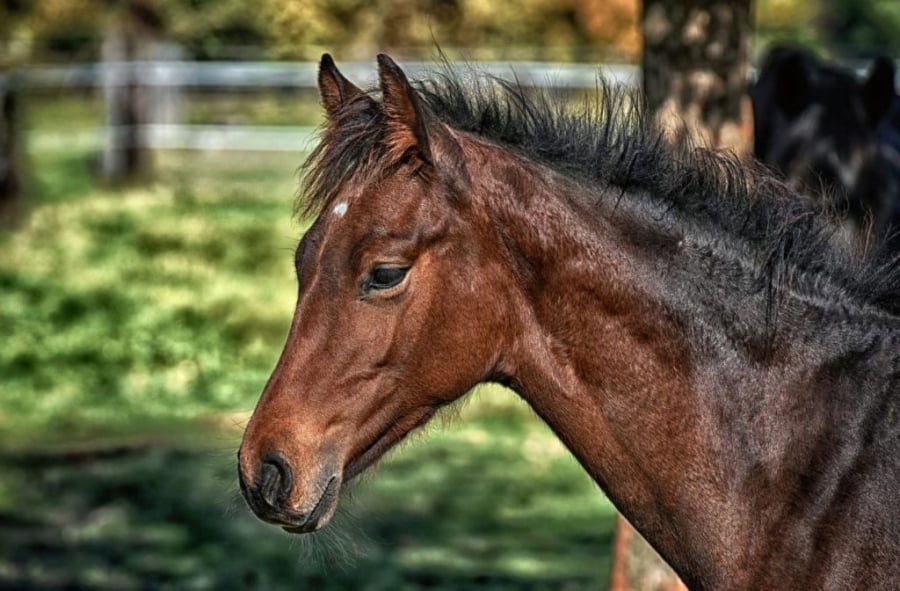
<point x="462" y="354"/>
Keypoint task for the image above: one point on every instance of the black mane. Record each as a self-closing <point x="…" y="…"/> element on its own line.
<point x="610" y="143"/>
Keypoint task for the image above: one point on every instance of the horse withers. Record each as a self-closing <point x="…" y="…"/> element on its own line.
<point x="693" y="331"/>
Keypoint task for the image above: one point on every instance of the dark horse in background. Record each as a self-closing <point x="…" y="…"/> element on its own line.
<point x="693" y="331"/>
<point x="831" y="134"/>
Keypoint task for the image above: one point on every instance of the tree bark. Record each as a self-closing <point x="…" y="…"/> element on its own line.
<point x="695" y="64"/>
<point x="696" y="61"/>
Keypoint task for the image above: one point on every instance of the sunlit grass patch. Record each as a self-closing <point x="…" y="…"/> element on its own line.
<point x="140" y="304"/>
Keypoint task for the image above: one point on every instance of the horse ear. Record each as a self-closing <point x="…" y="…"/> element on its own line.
<point x="412" y="127"/>
<point x="334" y="89"/>
<point x="403" y="110"/>
<point x="878" y="90"/>
<point x="793" y="86"/>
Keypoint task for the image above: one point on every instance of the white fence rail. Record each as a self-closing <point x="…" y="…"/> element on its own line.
<point x="252" y="138"/>
<point x="235" y="75"/>
<point x="162" y="82"/>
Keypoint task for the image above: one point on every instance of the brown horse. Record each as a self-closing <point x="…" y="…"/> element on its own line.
<point x="722" y="367"/>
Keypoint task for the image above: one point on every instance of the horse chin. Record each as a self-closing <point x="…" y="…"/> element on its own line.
<point x="385" y="441"/>
<point x="323" y="511"/>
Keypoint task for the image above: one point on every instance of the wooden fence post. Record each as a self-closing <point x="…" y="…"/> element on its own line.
<point x="12" y="194"/>
<point x="167" y="104"/>
<point x="130" y="41"/>
<point x="125" y="156"/>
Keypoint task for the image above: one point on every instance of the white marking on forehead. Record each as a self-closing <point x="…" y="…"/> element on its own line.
<point x="340" y="209"/>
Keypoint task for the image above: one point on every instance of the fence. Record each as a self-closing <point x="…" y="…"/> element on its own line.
<point x="160" y="85"/>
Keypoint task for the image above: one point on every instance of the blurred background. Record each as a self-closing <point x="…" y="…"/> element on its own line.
<point x="148" y="158"/>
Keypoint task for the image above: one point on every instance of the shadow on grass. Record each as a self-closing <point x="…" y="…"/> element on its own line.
<point x="168" y="518"/>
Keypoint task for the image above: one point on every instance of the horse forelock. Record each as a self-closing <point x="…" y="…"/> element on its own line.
<point x="357" y="144"/>
<point x="348" y="151"/>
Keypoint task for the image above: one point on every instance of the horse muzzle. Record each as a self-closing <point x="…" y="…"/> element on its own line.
<point x="272" y="493"/>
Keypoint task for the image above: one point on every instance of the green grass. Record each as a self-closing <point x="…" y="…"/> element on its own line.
<point x="461" y="507"/>
<point x="290" y="107"/>
<point x="72" y="111"/>
<point x="62" y="111"/>
<point x="152" y="304"/>
<point x="138" y="328"/>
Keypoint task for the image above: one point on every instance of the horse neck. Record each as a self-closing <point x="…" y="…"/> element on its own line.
<point x="605" y="349"/>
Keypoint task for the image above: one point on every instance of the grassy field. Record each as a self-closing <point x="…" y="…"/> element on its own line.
<point x="50" y="111"/>
<point x="138" y="328"/>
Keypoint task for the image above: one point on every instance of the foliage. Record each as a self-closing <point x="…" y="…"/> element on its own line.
<point x="519" y="28"/>
<point x="354" y="29"/>
<point x="864" y="29"/>
<point x="217" y="29"/>
<point x="785" y="13"/>
<point x="843" y="28"/>
<point x="65" y="26"/>
<point x="13" y="42"/>
<point x="787" y="21"/>
<point x="568" y="29"/>
<point x="74" y="28"/>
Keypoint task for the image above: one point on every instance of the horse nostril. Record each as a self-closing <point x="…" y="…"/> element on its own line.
<point x="275" y="480"/>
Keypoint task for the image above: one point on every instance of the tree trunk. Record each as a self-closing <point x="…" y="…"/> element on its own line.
<point x="12" y="194"/>
<point x="636" y="565"/>
<point x="695" y="66"/>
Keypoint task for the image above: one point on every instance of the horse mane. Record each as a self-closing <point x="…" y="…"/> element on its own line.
<point x="611" y="143"/>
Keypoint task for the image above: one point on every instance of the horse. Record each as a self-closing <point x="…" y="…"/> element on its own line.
<point x="693" y="331"/>
<point x="825" y="131"/>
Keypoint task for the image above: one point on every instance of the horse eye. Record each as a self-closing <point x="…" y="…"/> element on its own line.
<point x="384" y="278"/>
